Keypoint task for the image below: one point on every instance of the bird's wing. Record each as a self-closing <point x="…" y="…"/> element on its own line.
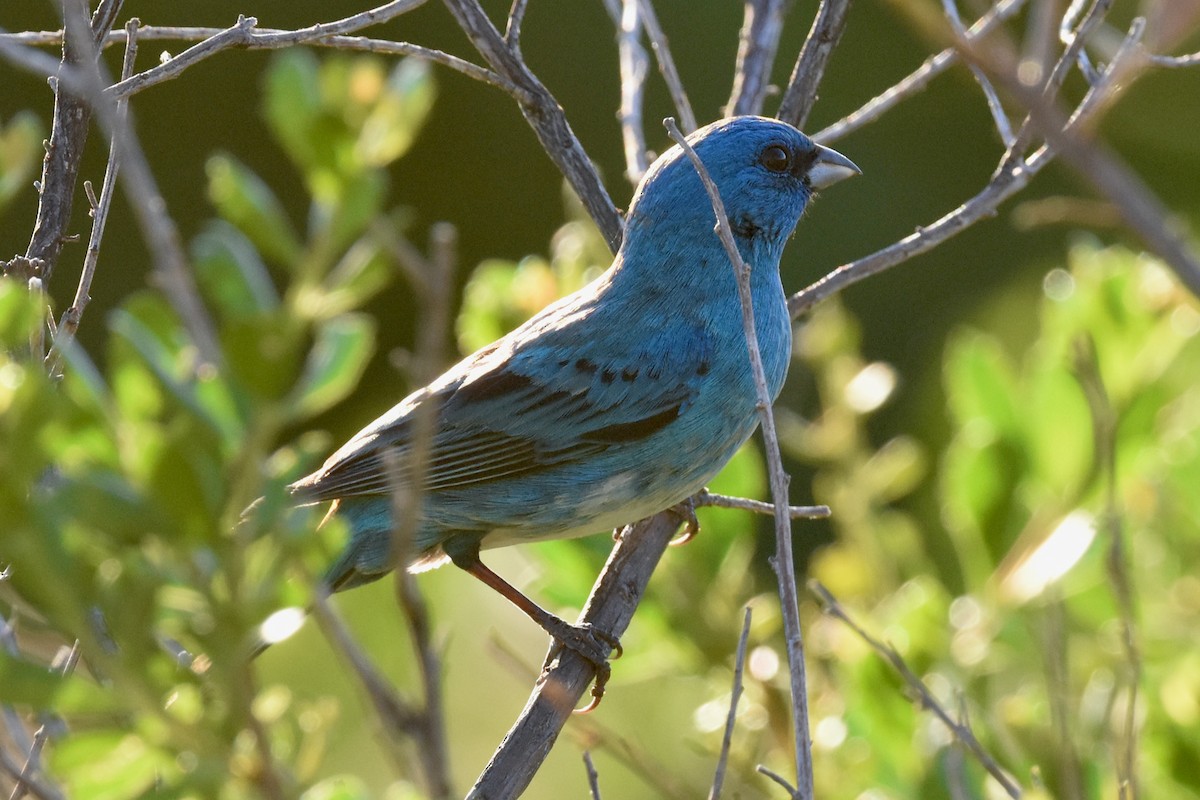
<point x="512" y="414"/>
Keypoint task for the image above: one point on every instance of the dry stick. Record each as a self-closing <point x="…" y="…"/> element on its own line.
<point x="1134" y="200"/>
<point x="69" y="323"/>
<point x="407" y="497"/>
<point x="264" y="39"/>
<point x="1003" y="126"/>
<point x="801" y="93"/>
<point x="34" y="787"/>
<point x="634" y="66"/>
<point x="1086" y="369"/>
<point x="758" y="43"/>
<point x="46" y="722"/>
<point x="158" y="228"/>
<point x="734" y="696"/>
<point x="707" y="498"/>
<point x="783" y="562"/>
<point x="544" y="115"/>
<point x="592" y="776"/>
<point x="920" y="78"/>
<point x="610" y="608"/>
<point x="1190" y="60"/>
<point x="1011" y="176"/>
<point x="666" y="65"/>
<point x="961" y="731"/>
<point x="68" y="133"/>
<point x="512" y="31"/>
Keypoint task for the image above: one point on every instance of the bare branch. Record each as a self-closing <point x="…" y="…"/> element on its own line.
<point x="734" y="696"/>
<point x="666" y="65"/>
<point x="961" y="731"/>
<point x="592" y="775"/>
<point x="783" y="561"/>
<point x="707" y="498"/>
<point x="69" y="323"/>
<point x="68" y="133"/>
<point x="758" y="43"/>
<point x="1003" y="126"/>
<point x="920" y="78"/>
<point x="634" y="66"/>
<point x="610" y="607"/>
<point x="801" y="93"/>
<point x="544" y="115"/>
<point x="775" y="776"/>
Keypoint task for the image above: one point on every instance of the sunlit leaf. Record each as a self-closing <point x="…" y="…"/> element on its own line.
<point x="242" y="198"/>
<point x="398" y="114"/>
<point x="335" y="364"/>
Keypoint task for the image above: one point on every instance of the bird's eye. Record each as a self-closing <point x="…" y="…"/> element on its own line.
<point x="776" y="158"/>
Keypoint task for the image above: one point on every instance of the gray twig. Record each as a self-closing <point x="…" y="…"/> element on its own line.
<point x="634" y="65"/>
<point x="801" y="93"/>
<point x="69" y="323"/>
<point x="917" y="80"/>
<point x="592" y="776"/>
<point x="666" y="65"/>
<point x="610" y="607"/>
<point x="734" y="696"/>
<point x="961" y="731"/>
<point x="544" y="115"/>
<point x="1003" y="126"/>
<point x="47" y="722"/>
<point x="758" y="43"/>
<point x="707" y="498"/>
<point x="782" y="561"/>
<point x="775" y="776"/>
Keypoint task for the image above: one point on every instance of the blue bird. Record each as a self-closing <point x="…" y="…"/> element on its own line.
<point x="614" y="403"/>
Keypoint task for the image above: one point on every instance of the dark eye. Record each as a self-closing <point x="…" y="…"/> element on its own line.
<point x="776" y="158"/>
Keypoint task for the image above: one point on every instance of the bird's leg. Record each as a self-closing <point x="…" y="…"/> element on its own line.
<point x="686" y="511"/>
<point x="592" y="643"/>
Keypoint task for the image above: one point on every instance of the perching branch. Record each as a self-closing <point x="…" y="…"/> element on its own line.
<point x="735" y="695"/>
<point x="610" y="607"/>
<point x="783" y="561"/>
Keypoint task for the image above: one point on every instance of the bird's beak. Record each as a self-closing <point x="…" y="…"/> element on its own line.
<point x="830" y="167"/>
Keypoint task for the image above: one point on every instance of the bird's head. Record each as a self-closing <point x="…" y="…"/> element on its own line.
<point x="766" y="172"/>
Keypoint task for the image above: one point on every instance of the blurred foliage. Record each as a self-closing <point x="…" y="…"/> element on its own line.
<point x="122" y="490"/>
<point x="20" y="153"/>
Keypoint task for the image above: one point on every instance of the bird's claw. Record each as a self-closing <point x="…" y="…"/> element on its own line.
<point x="686" y="511"/>
<point x="591" y="643"/>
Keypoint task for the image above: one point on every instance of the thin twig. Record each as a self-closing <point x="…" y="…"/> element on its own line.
<point x="1086" y="368"/>
<point x="707" y="498"/>
<point x="512" y="31"/>
<point x="544" y="115"/>
<point x="962" y="732"/>
<point x="666" y="65"/>
<point x="1190" y="60"/>
<point x="1011" y="176"/>
<point x="801" y="93"/>
<point x="69" y="323"/>
<point x="758" y="43"/>
<point x="917" y="80"/>
<point x="775" y="776"/>
<point x="734" y="696"/>
<point x="592" y="776"/>
<point x="1003" y="126"/>
<point x="782" y="561"/>
<point x="47" y="722"/>
<point x="406" y="508"/>
<point x="634" y="66"/>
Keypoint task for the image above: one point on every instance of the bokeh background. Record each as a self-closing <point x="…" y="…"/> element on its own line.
<point x="889" y="466"/>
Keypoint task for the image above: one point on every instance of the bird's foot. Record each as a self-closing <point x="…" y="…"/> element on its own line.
<point x="593" y="644"/>
<point x="686" y="511"/>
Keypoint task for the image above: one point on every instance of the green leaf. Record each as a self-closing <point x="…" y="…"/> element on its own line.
<point x="392" y="126"/>
<point x="335" y="364"/>
<point x="242" y="198"/>
<point x="344" y="205"/>
<point x="42" y="689"/>
<point x="231" y="273"/>
<point x="292" y="104"/>
<point x="362" y="272"/>
<point x="980" y="381"/>
<point x="108" y="765"/>
<point x="341" y="787"/>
